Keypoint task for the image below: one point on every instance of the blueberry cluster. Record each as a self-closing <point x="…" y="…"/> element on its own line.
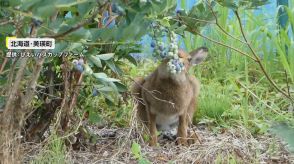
<point x="170" y="52"/>
<point x="80" y="66"/>
<point x="159" y="49"/>
<point x="173" y="49"/>
<point x="175" y="66"/>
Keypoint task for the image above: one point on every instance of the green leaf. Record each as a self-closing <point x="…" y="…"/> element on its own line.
<point x="144" y="161"/>
<point x="113" y="67"/>
<point x="7" y="29"/>
<point x="180" y="30"/>
<point x="105" y="89"/>
<point x="59" y="47"/>
<point x="94" y="116"/>
<point x="105" y="56"/>
<point x="95" y="60"/>
<point x="228" y="3"/>
<point x="14" y="2"/>
<point x="85" y="8"/>
<point x="44" y="11"/>
<point x="69" y="3"/>
<point x="121" y="87"/>
<point x="109" y="101"/>
<point x="26" y="4"/>
<point x="74" y="46"/>
<point x="100" y="75"/>
<point x="113" y="86"/>
<point x="165" y="22"/>
<point x="136" y="150"/>
<point x="87" y="70"/>
<point x="252" y="4"/>
<point x="103" y="77"/>
<point x="79" y="34"/>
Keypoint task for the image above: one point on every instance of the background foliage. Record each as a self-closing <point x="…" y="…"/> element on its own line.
<point x="247" y="81"/>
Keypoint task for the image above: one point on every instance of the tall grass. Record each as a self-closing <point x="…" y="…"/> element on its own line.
<point x="234" y="89"/>
<point x="54" y="152"/>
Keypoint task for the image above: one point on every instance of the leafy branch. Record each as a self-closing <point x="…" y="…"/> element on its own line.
<point x="255" y="57"/>
<point x="258" y="60"/>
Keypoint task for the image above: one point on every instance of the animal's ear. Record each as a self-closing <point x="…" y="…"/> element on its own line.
<point x="198" y="55"/>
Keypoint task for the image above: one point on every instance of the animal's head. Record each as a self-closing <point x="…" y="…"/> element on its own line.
<point x="193" y="58"/>
<point x="188" y="59"/>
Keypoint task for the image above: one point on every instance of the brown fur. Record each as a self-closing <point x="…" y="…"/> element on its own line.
<point x="169" y="98"/>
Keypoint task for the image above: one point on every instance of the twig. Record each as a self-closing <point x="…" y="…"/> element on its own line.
<point x="78" y="26"/>
<point x="220" y="27"/>
<point x="2" y="23"/>
<point x="48" y="86"/>
<point x="76" y="91"/>
<point x="3" y="65"/>
<point x="49" y="95"/>
<point x="258" y="60"/>
<point x="112" y="18"/>
<point x="32" y="83"/>
<point x="152" y="93"/>
<point x="288" y="86"/>
<point x="13" y="89"/>
<point x="199" y="20"/>
<point x="222" y="44"/>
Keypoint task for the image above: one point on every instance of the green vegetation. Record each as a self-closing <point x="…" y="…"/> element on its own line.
<point x="247" y="82"/>
<point x="54" y="152"/>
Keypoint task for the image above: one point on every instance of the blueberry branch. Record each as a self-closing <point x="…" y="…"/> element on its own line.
<point x="219" y="26"/>
<point x="258" y="60"/>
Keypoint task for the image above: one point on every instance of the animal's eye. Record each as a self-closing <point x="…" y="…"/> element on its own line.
<point x="189" y="59"/>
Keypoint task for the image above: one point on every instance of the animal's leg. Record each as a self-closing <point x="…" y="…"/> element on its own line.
<point x="192" y="135"/>
<point x="182" y="129"/>
<point x="152" y="129"/>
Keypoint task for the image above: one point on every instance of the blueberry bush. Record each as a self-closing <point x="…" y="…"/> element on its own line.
<point x="96" y="58"/>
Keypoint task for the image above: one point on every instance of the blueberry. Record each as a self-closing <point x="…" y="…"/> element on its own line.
<point x="37" y="23"/>
<point x="170" y="54"/>
<point x="176" y="51"/>
<point x="160" y="44"/>
<point x="75" y="62"/>
<point x="161" y="47"/>
<point x="163" y="54"/>
<point x="114" y="8"/>
<point x="117" y="9"/>
<point x="95" y="92"/>
<point x="153" y="44"/>
<point x="181" y="64"/>
<point x="81" y="61"/>
<point x="157" y="52"/>
<point x="112" y="24"/>
<point x="174" y="62"/>
<point x="180" y="11"/>
<point x="79" y="68"/>
<point x="173" y="46"/>
<point x="172" y="67"/>
<point x="178" y="67"/>
<point x="173" y="71"/>
<point x="176" y="56"/>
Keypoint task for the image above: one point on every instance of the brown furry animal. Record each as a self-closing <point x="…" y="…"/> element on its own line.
<point x="169" y="100"/>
